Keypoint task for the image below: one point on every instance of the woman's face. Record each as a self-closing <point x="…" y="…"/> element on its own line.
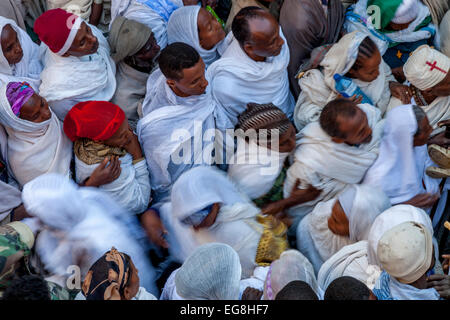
<point x="370" y="69"/>
<point x="338" y="222"/>
<point x="12" y="50"/>
<point x="210" y="32"/>
<point x="210" y="218"/>
<point x="35" y="109"/>
<point x="121" y="137"/>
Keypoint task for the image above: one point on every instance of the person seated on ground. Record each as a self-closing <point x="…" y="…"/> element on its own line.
<point x="211" y="272"/>
<point x="113" y="277"/>
<point x="77" y="65"/>
<point x="297" y="290"/>
<point x="34" y="287"/>
<point x="101" y="135"/>
<point x="180" y="109"/>
<point x="258" y="168"/>
<point x="406" y="256"/>
<point x="336" y="223"/>
<point x="334" y="152"/>
<point x="445" y="34"/>
<point x="252" y="68"/>
<point x="400" y="167"/>
<point x="198" y="28"/>
<point x="36" y="141"/>
<point x="77" y="225"/>
<point x="397" y="26"/>
<point x="348" y="288"/>
<point x="96" y="12"/>
<point x="363" y="65"/>
<point x="134" y="49"/>
<point x="428" y="74"/>
<point x="19" y="57"/>
<point x="327" y="17"/>
<point x="153" y="13"/>
<point x="207" y="207"/>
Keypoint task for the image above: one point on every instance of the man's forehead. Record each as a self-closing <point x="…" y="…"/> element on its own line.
<point x="263" y="27"/>
<point x="7" y="32"/>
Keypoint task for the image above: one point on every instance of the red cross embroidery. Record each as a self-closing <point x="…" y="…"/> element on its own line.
<point x="434" y="66"/>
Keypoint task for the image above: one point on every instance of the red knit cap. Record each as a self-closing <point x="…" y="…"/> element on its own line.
<point x="57" y="28"/>
<point x="96" y="120"/>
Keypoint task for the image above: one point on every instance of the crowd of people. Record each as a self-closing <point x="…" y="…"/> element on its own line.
<point x="224" y="150"/>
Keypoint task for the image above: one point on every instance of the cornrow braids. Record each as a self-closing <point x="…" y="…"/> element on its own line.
<point x="366" y="50"/>
<point x="332" y="111"/>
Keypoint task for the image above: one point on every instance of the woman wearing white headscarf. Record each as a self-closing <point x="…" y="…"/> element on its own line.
<point x="188" y="24"/>
<point x="339" y="222"/>
<point x="206" y="207"/>
<point x="79" y="225"/>
<point x="29" y="67"/>
<point x="211" y="272"/>
<point x="353" y="57"/>
<point x="34" y="148"/>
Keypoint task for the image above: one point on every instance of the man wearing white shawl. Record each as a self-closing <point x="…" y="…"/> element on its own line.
<point x="330" y="159"/>
<point x="252" y="69"/>
<point x="339" y="222"/>
<point x="28" y="66"/>
<point x="80" y="224"/>
<point x="77" y="62"/>
<point x="35" y="146"/>
<point x="362" y="63"/>
<point x="198" y="28"/>
<point x="400" y="167"/>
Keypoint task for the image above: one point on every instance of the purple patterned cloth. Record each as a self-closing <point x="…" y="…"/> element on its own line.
<point x="18" y="94"/>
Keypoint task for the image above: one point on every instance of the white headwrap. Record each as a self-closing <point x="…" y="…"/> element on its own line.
<point x="405" y="251"/>
<point x="426" y="67"/>
<point x="212" y="272"/>
<point x="406" y="12"/>
<point x="29" y="68"/>
<point x="34" y="148"/>
<point x="400" y="167"/>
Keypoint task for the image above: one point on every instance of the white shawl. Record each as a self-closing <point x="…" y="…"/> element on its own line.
<point x="318" y="87"/>
<point x="34" y="148"/>
<point x="29" y="68"/>
<point x="254" y="168"/>
<point x="445" y="34"/>
<point x="236" y="80"/>
<point x="91" y="77"/>
<point x="131" y="189"/>
<point x="330" y="166"/>
<point x="400" y="168"/>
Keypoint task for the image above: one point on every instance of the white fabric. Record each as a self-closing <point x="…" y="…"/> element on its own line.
<point x="183" y="27"/>
<point x="236" y="80"/>
<point x="256" y="281"/>
<point x="164" y="132"/>
<point x="169" y="291"/>
<point x="72" y="34"/>
<point x="400" y="168"/>
<point x="212" y="272"/>
<point x="81" y="224"/>
<point x="318" y="87"/>
<point x="406" y="12"/>
<point x="444" y="31"/>
<point x="254" y="169"/>
<point x="76" y="79"/>
<point x="34" y="148"/>
<point x="329" y="166"/>
<point x="29" y="68"/>
<point x="131" y="189"/>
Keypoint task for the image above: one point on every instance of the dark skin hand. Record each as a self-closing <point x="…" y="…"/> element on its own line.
<point x="445" y="263"/>
<point x="401" y="92"/>
<point x="154" y="228"/>
<point x="440" y="282"/>
<point x="96" y="13"/>
<point x="356" y="99"/>
<point x="251" y="294"/>
<point x="398" y="74"/>
<point x="104" y="174"/>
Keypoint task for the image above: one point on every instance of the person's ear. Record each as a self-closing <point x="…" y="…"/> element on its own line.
<point x="171" y="83"/>
<point x="248" y="48"/>
<point x="337" y="140"/>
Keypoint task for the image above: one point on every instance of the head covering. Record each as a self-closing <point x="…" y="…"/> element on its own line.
<point x="127" y="37"/>
<point x="108" y="277"/>
<point x="389" y="219"/>
<point x="405" y="251"/>
<point x="212" y="272"/>
<point x="291" y="265"/>
<point x="96" y="120"/>
<point x="18" y="94"/>
<point x="397" y="11"/>
<point x="426" y="67"/>
<point x="57" y="28"/>
<point x="347" y="198"/>
<point x="406" y="12"/>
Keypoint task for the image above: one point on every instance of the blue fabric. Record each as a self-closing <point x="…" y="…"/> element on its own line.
<point x="163" y="8"/>
<point x="381" y="290"/>
<point x="398" y="55"/>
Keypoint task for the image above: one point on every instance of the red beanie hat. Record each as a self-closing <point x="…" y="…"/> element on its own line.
<point x="57" y="28"/>
<point x="96" y="120"/>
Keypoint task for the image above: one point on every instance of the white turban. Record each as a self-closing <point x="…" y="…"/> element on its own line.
<point x="426" y="67"/>
<point x="406" y="12"/>
<point x="405" y="251"/>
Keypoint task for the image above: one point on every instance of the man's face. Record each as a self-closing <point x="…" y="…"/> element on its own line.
<point x="149" y="51"/>
<point x="193" y="82"/>
<point x="85" y="43"/>
<point x="12" y="50"/>
<point x="35" y="109"/>
<point x="265" y="37"/>
<point x="442" y="89"/>
<point x="424" y="135"/>
<point x="121" y="137"/>
<point x="356" y="130"/>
